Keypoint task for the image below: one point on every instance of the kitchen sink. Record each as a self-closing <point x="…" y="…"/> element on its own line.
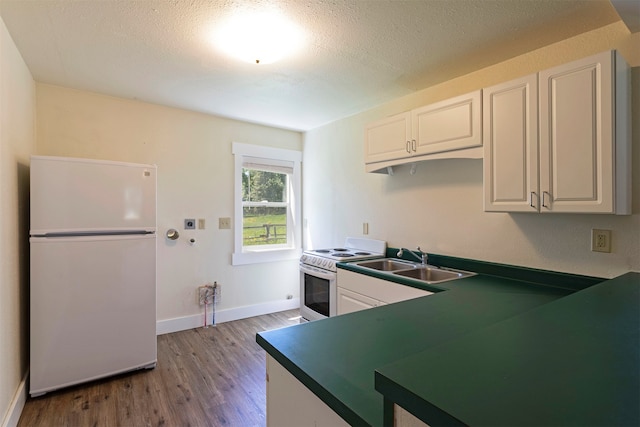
<point x="424" y="273"/>
<point x="387" y="264"/>
<point x="432" y="275"/>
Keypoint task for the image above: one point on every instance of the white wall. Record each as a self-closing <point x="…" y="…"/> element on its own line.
<point x="440" y="207"/>
<point x="195" y="180"/>
<point x="17" y="142"/>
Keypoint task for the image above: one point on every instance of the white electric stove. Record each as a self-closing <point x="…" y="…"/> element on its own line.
<point x="318" y="277"/>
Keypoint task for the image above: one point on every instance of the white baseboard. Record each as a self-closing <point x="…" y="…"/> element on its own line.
<point x="17" y="404"/>
<point x="197" y="320"/>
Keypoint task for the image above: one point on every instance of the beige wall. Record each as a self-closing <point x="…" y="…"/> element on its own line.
<point x="17" y="142"/>
<point x="440" y="208"/>
<point x="195" y="180"/>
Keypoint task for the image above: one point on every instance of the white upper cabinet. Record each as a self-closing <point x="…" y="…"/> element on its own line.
<point x="510" y="114"/>
<point x="579" y="141"/>
<point x="437" y="130"/>
<point x="582" y="139"/>
<point x="388" y="138"/>
<point x="448" y="125"/>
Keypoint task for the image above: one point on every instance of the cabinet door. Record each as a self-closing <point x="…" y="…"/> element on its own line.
<point x="378" y="290"/>
<point x="349" y="301"/>
<point x="510" y="142"/>
<point x="576" y="136"/>
<point x="291" y="403"/>
<point x="452" y="124"/>
<point x="388" y="139"/>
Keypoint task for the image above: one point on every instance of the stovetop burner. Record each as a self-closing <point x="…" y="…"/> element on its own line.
<point x="342" y="253"/>
<point x="353" y="249"/>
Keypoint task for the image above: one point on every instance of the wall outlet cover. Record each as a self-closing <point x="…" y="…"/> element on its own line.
<point x="600" y="240"/>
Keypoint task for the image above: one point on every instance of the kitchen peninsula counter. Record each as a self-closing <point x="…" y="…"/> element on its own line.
<point x="337" y="358"/>
<point x="572" y="362"/>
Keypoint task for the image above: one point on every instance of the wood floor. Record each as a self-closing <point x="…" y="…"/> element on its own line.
<point x="205" y="377"/>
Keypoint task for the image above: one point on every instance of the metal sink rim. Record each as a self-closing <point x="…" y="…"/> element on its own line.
<point x="403" y="264"/>
<point x="413" y="266"/>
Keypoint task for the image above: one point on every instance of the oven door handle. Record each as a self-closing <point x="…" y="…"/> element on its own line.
<point x="323" y="274"/>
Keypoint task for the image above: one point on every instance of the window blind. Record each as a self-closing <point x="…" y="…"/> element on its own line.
<point x="267" y="165"/>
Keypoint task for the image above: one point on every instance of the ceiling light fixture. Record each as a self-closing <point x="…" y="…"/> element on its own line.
<point x="260" y="38"/>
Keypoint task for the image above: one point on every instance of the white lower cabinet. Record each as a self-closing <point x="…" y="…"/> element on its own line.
<point x="358" y="292"/>
<point x="291" y="404"/>
<point x="404" y="418"/>
<point x="349" y="301"/>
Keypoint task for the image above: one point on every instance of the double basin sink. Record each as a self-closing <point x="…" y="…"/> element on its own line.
<point x="422" y="272"/>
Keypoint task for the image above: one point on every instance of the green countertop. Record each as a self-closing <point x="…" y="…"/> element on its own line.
<point x="336" y="358"/>
<point x="572" y="362"/>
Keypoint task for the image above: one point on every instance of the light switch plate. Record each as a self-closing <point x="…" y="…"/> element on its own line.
<point x="224" y="223"/>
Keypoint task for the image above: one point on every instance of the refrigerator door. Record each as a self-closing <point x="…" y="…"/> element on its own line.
<point x="93" y="308"/>
<point x="77" y="195"/>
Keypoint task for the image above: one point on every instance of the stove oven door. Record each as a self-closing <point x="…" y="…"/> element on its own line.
<point x="317" y="293"/>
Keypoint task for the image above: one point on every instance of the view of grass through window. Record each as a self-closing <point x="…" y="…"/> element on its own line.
<point x="264" y="207"/>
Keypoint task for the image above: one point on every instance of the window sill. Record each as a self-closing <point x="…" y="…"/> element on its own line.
<point x="256" y="257"/>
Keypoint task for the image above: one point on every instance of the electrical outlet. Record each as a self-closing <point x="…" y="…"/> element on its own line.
<point x="600" y="240"/>
<point x="190" y="224"/>
<point x="224" y="223"/>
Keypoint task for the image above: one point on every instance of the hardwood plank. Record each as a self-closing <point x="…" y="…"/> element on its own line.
<point x="205" y="377"/>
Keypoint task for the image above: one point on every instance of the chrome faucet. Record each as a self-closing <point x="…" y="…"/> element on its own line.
<point x="422" y="258"/>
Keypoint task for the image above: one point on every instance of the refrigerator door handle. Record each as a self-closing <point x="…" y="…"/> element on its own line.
<point x="93" y="233"/>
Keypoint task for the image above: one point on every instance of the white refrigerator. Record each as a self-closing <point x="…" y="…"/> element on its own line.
<point x="93" y="270"/>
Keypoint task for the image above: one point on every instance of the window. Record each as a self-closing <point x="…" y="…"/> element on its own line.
<point x="267" y="204"/>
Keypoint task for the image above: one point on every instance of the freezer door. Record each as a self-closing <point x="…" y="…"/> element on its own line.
<point x="93" y="308"/>
<point x="79" y="195"/>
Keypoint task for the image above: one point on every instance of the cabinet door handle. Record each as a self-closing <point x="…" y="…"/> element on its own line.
<point x="544" y="204"/>
<point x="532" y="195"/>
<point x="413" y="145"/>
<point x="408" y="147"/>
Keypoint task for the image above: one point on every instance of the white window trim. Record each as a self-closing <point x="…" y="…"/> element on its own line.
<point x="263" y="254"/>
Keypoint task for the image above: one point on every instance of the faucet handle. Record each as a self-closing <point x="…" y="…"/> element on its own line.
<point x="423" y="255"/>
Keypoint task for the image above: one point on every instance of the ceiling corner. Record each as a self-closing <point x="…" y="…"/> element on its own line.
<point x="629" y="11"/>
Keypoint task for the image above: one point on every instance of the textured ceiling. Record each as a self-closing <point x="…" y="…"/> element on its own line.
<point x="359" y="53"/>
